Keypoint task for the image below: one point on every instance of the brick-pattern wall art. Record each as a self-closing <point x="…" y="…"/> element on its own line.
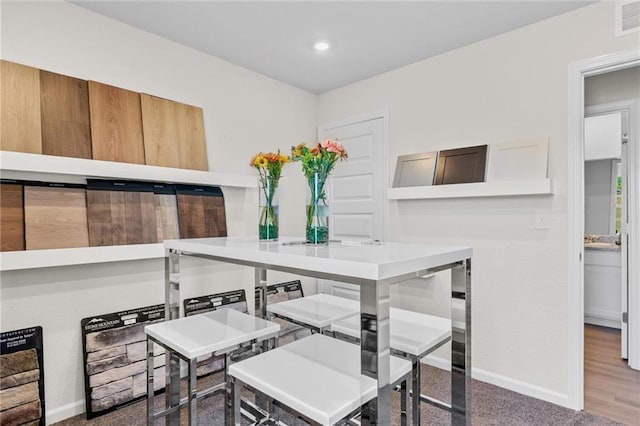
<point x="282" y="292"/>
<point x="234" y="299"/>
<point x="115" y="353"/>
<point x="22" y="378"/>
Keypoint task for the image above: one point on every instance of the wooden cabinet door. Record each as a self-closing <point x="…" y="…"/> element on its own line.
<point x="192" y="145"/>
<point x="11" y="217"/>
<point x="20" y="128"/>
<point x="463" y="165"/>
<point x="64" y="102"/>
<point x="116" y="124"/>
<point x="161" y="137"/>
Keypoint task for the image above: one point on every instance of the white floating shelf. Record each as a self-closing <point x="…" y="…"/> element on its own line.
<point x="49" y="164"/>
<point x="472" y="190"/>
<point x="30" y="259"/>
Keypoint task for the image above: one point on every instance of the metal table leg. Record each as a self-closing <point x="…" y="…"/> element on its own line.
<point x="461" y="344"/>
<point x="172" y="311"/>
<point x="375" y="350"/>
<point x="261" y="284"/>
<point x="150" y="380"/>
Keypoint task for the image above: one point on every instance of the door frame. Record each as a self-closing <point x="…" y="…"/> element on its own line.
<point x="384" y="115"/>
<point x="578" y="71"/>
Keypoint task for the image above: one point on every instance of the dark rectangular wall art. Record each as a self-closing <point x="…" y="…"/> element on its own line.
<point x="462" y="165"/>
<point x="201" y="211"/>
<point x="22" y="400"/>
<point x="115" y="352"/>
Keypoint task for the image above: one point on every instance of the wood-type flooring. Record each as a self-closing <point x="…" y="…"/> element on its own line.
<point x="121" y="217"/>
<point x="55" y="217"/>
<point x="201" y="216"/>
<point x="611" y="388"/>
<point x="66" y="129"/>
<point x="11" y="217"/>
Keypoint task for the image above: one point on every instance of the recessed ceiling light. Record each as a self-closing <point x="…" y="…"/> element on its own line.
<point x="321" y="45"/>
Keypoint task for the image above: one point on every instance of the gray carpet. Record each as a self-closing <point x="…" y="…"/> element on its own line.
<point x="491" y="405"/>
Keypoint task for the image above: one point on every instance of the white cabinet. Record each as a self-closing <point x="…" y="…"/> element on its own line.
<point x="602" y="288"/>
<point x="603" y="136"/>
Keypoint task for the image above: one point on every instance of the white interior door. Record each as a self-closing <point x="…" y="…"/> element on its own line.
<point x="357" y="187"/>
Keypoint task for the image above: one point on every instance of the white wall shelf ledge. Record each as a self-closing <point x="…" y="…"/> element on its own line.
<point x="79" y="167"/>
<point x="473" y="190"/>
<point x="31" y="259"/>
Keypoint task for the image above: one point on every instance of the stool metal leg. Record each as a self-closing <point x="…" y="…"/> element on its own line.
<point x="228" y="393"/>
<point x="150" y="386"/>
<point x="415" y="385"/>
<point x="193" y="402"/>
<point x="235" y="394"/>
<point x="404" y="399"/>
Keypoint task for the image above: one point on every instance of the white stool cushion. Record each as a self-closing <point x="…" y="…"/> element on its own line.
<point x="318" y="310"/>
<point x="318" y="376"/>
<point x="411" y="332"/>
<point x="210" y="332"/>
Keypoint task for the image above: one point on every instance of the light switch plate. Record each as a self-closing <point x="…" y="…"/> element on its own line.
<point x="541" y="220"/>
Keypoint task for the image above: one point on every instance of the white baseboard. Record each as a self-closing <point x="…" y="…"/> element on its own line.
<point x="603" y="322"/>
<point x="64" y="412"/>
<point x="505" y="382"/>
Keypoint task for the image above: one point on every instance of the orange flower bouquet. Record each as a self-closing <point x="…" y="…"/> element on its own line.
<point x="269" y="167"/>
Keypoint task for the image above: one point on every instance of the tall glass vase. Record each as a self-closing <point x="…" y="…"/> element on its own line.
<point x="317" y="231"/>
<point x="268" y="208"/>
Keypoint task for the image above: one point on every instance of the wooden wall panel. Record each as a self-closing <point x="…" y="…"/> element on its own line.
<point x="11" y="217"/>
<point x="64" y="103"/>
<point x="192" y="144"/>
<point x="160" y="132"/>
<point x="116" y="124"/>
<point x="55" y="217"/>
<point x="20" y="128"/>
<point x="121" y="217"/>
<point x="166" y="217"/>
<point x="201" y="215"/>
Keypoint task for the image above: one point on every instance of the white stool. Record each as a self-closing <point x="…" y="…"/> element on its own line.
<point x="316" y="312"/>
<point x="412" y="335"/>
<point x="218" y="332"/>
<point x="316" y="377"/>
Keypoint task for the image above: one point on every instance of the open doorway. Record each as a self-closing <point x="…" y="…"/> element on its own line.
<point x="578" y="73"/>
<point x="611" y="387"/>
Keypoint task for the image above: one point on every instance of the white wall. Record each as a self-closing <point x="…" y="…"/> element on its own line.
<point x="244" y="113"/>
<point x="512" y="86"/>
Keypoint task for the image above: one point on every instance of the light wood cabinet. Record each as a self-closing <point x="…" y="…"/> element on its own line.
<point x="116" y="124"/>
<point x="20" y="128"/>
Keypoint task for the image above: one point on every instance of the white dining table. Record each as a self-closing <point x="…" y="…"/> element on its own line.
<point x="374" y="266"/>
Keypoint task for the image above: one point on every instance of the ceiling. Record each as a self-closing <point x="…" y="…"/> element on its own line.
<point x="368" y="37"/>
